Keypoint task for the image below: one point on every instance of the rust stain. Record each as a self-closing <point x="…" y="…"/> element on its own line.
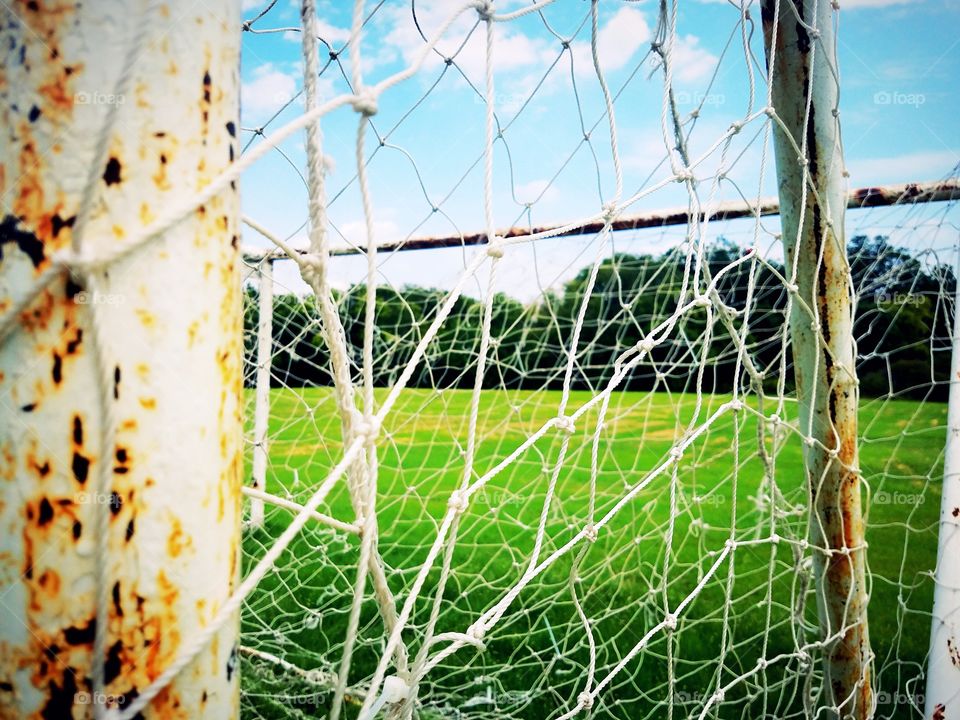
<point x="147" y="318"/>
<point x="953" y="652"/>
<point x="178" y="540"/>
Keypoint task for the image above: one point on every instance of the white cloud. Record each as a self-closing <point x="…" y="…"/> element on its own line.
<point x="334" y="35"/>
<point x="617" y="42"/>
<point x="690" y="61"/>
<point x="535" y="191"/>
<point x="850" y="4"/>
<point x="909" y="167"/>
<point x="513" y="50"/>
<point x="355" y="231"/>
<point x="268" y="90"/>
<point x="272" y="87"/>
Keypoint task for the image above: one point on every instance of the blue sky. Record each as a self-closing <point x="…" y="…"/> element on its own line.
<point x="899" y="60"/>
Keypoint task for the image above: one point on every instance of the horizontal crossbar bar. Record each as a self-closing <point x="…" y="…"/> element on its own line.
<point x="875" y="196"/>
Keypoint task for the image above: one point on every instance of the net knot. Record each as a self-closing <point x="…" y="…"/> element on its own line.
<point x="565" y="424"/>
<point x="702" y="301"/>
<point x="736" y="126"/>
<point x="311" y="266"/>
<point x="368" y="428"/>
<point x="314" y="677"/>
<point x="484" y="9"/>
<point x="684" y="175"/>
<point x="775" y="539"/>
<point x="457" y="502"/>
<point x="365" y="102"/>
<point x="761" y="663"/>
<point x="670" y="621"/>
<point x="609" y="212"/>
<point x="590" y="532"/>
<point x="585" y="700"/>
<point x="645" y="345"/>
<point x="719" y="695"/>
<point x="395" y="689"/>
<point x="477" y="631"/>
<point x="495" y="247"/>
<point x="676" y="453"/>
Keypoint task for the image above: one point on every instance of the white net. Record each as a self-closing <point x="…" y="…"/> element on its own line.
<point x="523" y="445"/>
<point x="573" y="479"/>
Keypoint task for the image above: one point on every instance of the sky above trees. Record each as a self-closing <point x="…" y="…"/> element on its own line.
<point x="898" y="60"/>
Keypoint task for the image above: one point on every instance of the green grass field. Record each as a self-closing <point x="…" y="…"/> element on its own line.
<point x="536" y="658"/>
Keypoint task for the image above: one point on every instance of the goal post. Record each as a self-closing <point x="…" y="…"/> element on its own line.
<point x="943" y="664"/>
<point x="804" y="91"/>
<point x="608" y="461"/>
<point x="120" y="357"/>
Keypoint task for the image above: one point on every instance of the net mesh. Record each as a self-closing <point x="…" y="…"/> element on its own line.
<point x="586" y="493"/>
<point x="540" y="470"/>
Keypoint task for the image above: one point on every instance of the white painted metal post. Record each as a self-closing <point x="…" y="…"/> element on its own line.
<point x="943" y="663"/>
<point x="261" y="412"/>
<point x="125" y="376"/>
<point x="801" y="57"/>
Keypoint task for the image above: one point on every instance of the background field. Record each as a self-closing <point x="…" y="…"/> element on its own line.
<point x="535" y="662"/>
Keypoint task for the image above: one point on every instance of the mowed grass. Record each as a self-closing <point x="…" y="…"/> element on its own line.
<point x="653" y="553"/>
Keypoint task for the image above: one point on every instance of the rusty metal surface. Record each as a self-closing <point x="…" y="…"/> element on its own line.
<point x="174" y="307"/>
<point x="877" y="196"/>
<point x="805" y="95"/>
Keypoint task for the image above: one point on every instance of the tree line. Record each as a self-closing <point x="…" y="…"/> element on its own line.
<point x="903" y="321"/>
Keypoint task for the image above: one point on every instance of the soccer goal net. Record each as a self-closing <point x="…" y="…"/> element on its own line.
<point x="572" y="385"/>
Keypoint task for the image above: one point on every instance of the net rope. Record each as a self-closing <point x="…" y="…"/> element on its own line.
<point x="586" y="502"/>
